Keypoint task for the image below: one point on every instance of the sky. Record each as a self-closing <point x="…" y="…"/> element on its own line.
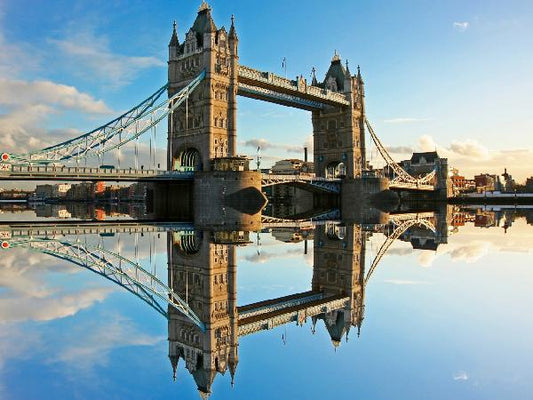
<point x="447" y="75"/>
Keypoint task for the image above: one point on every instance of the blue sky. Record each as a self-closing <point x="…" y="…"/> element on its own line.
<point x="450" y="75"/>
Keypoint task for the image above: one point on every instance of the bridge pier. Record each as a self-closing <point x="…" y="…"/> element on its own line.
<point x="229" y="199"/>
<point x="361" y="196"/>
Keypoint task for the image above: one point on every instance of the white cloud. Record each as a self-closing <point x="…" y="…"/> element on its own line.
<point x="426" y="258"/>
<point x="470" y="252"/>
<point x="426" y="143"/>
<point x="469" y="148"/>
<point x="461" y="26"/>
<point x="22" y="93"/>
<point x="460" y="376"/>
<point x="90" y="56"/>
<point x="26" y="308"/>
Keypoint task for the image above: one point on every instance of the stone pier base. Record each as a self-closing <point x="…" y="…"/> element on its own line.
<point x="228" y="199"/>
<point x="360" y="197"/>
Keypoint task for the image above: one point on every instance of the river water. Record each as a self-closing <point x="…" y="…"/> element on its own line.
<point x="301" y="311"/>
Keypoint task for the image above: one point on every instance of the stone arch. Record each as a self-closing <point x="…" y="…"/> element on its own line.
<point x="188" y="244"/>
<point x="188" y="160"/>
<point x="336" y="231"/>
<point x="335" y="169"/>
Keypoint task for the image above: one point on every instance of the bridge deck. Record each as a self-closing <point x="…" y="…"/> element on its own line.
<point x="55" y="173"/>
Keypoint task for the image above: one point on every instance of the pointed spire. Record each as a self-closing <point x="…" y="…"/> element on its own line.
<point x="232" y="31"/>
<point x="174" y="39"/>
<point x="204" y="6"/>
<point x="174" y="361"/>
<point x="347" y="73"/>
<point x="336" y="57"/>
<point x="359" y="77"/>
<point x="204" y="395"/>
<point x="314" y="81"/>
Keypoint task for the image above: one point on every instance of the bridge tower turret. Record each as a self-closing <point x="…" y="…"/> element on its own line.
<point x="204" y="128"/>
<point x="339" y="143"/>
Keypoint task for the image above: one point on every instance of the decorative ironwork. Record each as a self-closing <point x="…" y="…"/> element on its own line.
<point x="402" y="179"/>
<point x="326" y="184"/>
<point x="125" y="273"/>
<point x="114" y="134"/>
<point x="398" y="231"/>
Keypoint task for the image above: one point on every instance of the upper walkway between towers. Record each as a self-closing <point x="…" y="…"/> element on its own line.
<point x="295" y="93"/>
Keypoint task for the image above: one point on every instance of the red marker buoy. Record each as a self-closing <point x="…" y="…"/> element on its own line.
<point x="5" y="245"/>
<point x="5" y="156"/>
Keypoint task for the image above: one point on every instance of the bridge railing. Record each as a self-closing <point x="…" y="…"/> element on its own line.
<point x="8" y="170"/>
<point x="297" y="177"/>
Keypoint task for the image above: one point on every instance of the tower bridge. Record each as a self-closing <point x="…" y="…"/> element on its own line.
<point x="205" y="78"/>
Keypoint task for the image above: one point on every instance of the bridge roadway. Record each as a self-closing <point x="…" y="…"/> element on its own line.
<point x="269" y="87"/>
<point x="93" y="174"/>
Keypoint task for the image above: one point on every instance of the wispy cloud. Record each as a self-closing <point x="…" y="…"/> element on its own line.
<point x="460" y="376"/>
<point x="91" y="346"/>
<point x="461" y="26"/>
<point x="267" y="146"/>
<point x="91" y="56"/>
<point x="405" y="282"/>
<point x="400" y="149"/>
<point x="404" y="120"/>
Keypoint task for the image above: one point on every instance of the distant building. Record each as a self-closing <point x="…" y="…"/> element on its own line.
<point x="461" y="184"/>
<point x="58" y="191"/>
<point x="486" y="183"/>
<point x="509" y="183"/>
<point x="239" y="163"/>
<point x="292" y="166"/>
<point x="81" y="192"/>
<point x="485" y="219"/>
<point x="529" y="184"/>
<point x="422" y="164"/>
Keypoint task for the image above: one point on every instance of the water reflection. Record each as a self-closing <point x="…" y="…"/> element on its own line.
<point x="202" y="272"/>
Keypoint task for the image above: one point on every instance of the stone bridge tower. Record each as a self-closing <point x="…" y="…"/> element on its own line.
<point x="202" y="270"/>
<point x="338" y="132"/>
<point x="204" y="128"/>
<point x="339" y="268"/>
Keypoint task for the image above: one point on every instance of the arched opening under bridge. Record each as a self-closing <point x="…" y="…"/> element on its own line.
<point x="188" y="160"/>
<point x="336" y="169"/>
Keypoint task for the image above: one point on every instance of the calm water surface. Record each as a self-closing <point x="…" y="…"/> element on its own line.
<point x="443" y="315"/>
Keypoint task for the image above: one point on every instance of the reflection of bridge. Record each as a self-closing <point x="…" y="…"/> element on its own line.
<point x="204" y="80"/>
<point x="200" y="296"/>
